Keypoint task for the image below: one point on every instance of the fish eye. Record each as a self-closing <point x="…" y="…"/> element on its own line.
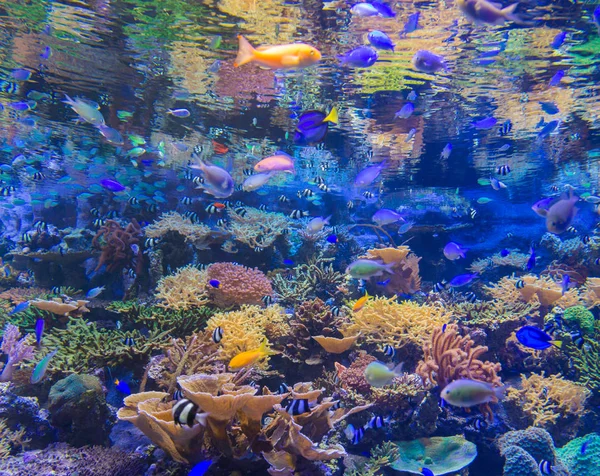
<point x="312" y="52"/>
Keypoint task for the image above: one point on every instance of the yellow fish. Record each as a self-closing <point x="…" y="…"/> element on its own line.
<point x="358" y="305"/>
<point x="296" y="55"/>
<point x="249" y="357"/>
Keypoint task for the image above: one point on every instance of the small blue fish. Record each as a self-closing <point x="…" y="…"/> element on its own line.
<point x="179" y="112"/>
<point x="504" y="253"/>
<point x="92" y="293"/>
<point x="21" y="74"/>
<point x="19" y="308"/>
<point x="364" y="9"/>
<point x="122" y="387"/>
<point x="558" y="40"/>
<point x="214" y="283"/>
<point x="39" y="330"/>
<point x="446" y="151"/>
<point x="384" y="283"/>
<point x="40" y="369"/>
<point x="19" y="106"/>
<point x="585" y="443"/>
<point x="46" y="52"/>
<point x="380" y="40"/>
<point x="333" y="239"/>
<point x="214" y="68"/>
<point x="531" y="260"/>
<point x="535" y="338"/>
<point x="201" y="468"/>
<point x="405" y="112"/>
<point x="444" y="327"/>
<point x="463" y="280"/>
<point x="384" y="9"/>
<point x="486" y="123"/>
<point x="288" y="262"/>
<point x="6" y="271"/>
<point x="135" y="248"/>
<point x="548" y="129"/>
<point x="361" y="57"/>
<point x="549" y="107"/>
<point x="411" y="25"/>
<point x="560" y="74"/>
<point x="427" y="472"/>
<point x="596" y="17"/>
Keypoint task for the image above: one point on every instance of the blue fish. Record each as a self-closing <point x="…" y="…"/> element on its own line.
<point x="39" y="330"/>
<point x="92" y="293"/>
<point x="558" y="40"/>
<point x="201" y="468"/>
<point x="535" y="338"/>
<point x="427" y="472"/>
<point x="384" y="9"/>
<point x="411" y="25"/>
<point x="40" y="369"/>
<point x="214" y="283"/>
<point x="531" y="260"/>
<point x="384" y="283"/>
<point x="333" y="239"/>
<point x="585" y="443"/>
<point x="548" y="129"/>
<point x="361" y="57"/>
<point x="549" y="107"/>
<point x="21" y="74"/>
<point x="560" y="74"/>
<point x="380" y="40"/>
<point x="596" y="17"/>
<point x="486" y="123"/>
<point x="288" y="262"/>
<point x="462" y="280"/>
<point x="46" y="53"/>
<point x="19" y="308"/>
<point x="504" y="253"/>
<point x="122" y="387"/>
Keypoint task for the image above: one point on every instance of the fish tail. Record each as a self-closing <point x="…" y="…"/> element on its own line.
<point x="398" y="370"/>
<point x="202" y="418"/>
<point x="332" y="116"/>
<point x="265" y="350"/>
<point x="499" y="392"/>
<point x="557" y="343"/>
<point x="509" y="14"/>
<point x="246" y="52"/>
<point x="389" y="267"/>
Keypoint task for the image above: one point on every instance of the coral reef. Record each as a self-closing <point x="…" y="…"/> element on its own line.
<point x="578" y="461"/>
<point x="579" y="317"/>
<point x="513" y="260"/>
<point x="61" y="306"/>
<point x="542" y="290"/>
<point x="183" y="290"/>
<point x="405" y="278"/>
<point x="10" y="440"/>
<point x="256" y="228"/>
<point x="78" y="410"/>
<point x="544" y="400"/>
<point x="524" y="449"/>
<point x="587" y="364"/>
<point x="238" y="285"/>
<point x="16" y="349"/>
<point x="197" y="234"/>
<point x="115" y="243"/>
<point x="381" y="456"/>
<point x="440" y="454"/>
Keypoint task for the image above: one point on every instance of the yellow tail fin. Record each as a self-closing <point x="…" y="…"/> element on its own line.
<point x="245" y="52"/>
<point x="557" y="343"/>
<point x="332" y="116"/>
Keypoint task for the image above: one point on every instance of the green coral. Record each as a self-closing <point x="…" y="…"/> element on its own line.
<point x="381" y="456"/>
<point x="83" y="347"/>
<point x="582" y="318"/>
<point x="179" y="323"/>
<point x="578" y="463"/>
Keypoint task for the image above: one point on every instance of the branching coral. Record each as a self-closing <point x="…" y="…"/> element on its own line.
<point x="381" y="456"/>
<point x="587" y="364"/>
<point x="196" y="234"/>
<point x="546" y="399"/>
<point x="256" y="228"/>
<point x="16" y="348"/>
<point x="311" y="318"/>
<point x="115" y="243"/>
<point x="384" y="321"/>
<point x="513" y="260"/>
<point x="247" y="328"/>
<point x="62" y="306"/>
<point x="405" y="277"/>
<point x="449" y="357"/>
<point x="542" y="290"/>
<point x="186" y="289"/>
<point x="238" y="285"/>
<point x="10" y="440"/>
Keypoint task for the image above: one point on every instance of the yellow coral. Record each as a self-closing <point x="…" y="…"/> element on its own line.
<point x="256" y="228"/>
<point x="184" y="289"/>
<point x="543" y="290"/>
<point x="384" y="321"/>
<point x="247" y="328"/>
<point x="545" y="399"/>
<point x="590" y="292"/>
<point x="194" y="233"/>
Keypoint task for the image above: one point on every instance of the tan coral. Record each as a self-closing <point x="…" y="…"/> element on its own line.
<point x="197" y="234"/>
<point x="405" y="278"/>
<point x="334" y="345"/>
<point x="61" y="307"/>
<point x="256" y="228"/>
<point x="184" y="289"/>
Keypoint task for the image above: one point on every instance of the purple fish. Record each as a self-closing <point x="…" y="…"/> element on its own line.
<point x="380" y="40"/>
<point x="311" y="128"/>
<point x="428" y="62"/>
<point x="361" y="57"/>
<point x="560" y="74"/>
<point x="21" y="74"/>
<point x="558" y="40"/>
<point x="486" y="123"/>
<point x="179" y="112"/>
<point x="541" y="207"/>
<point x="567" y="284"/>
<point x="462" y="280"/>
<point x="19" y="106"/>
<point x="364" y="9"/>
<point x="405" y="112"/>
<point x="112" y="185"/>
<point x="39" y="330"/>
<point x="367" y="176"/>
<point x="411" y="25"/>
<point x="531" y="260"/>
<point x="384" y="9"/>
<point x="46" y="52"/>
<point x="548" y="129"/>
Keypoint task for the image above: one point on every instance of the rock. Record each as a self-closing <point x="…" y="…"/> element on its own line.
<point x="79" y="411"/>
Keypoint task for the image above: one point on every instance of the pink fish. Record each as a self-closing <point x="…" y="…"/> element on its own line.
<point x="280" y="162"/>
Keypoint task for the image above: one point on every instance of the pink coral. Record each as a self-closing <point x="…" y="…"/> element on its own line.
<point x="15" y="348"/>
<point x="238" y="285"/>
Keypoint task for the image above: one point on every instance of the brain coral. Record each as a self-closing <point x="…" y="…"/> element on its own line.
<point x="238" y="285"/>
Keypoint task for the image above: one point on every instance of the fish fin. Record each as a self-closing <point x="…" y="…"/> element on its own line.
<point x="246" y="52"/>
<point x="264" y="350"/>
<point x="499" y="392"/>
<point x="398" y="369"/>
<point x="389" y="266"/>
<point x="326" y="221"/>
<point x="498" y="5"/>
<point x="202" y="418"/>
<point x="290" y="60"/>
<point x="509" y="14"/>
<point x="332" y="116"/>
<point x="557" y="343"/>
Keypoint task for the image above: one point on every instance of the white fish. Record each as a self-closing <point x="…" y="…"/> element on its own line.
<point x="317" y="224"/>
<point x="254" y="182"/>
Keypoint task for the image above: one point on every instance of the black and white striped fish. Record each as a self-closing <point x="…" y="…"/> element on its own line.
<point x="471" y="297"/>
<point x="377" y="422"/>
<point x="439" y="287"/>
<point x="545" y="467"/>
<point x="389" y="350"/>
<point x="283" y="199"/>
<point x="480" y="424"/>
<point x="177" y="395"/>
<point x="368" y="195"/>
<point x="221" y="222"/>
<point x="335" y="310"/>
<point x="151" y="242"/>
<point x="324" y="188"/>
<point x="98" y="222"/>
<point x="297" y="214"/>
<point x="306" y="193"/>
<point x="185" y="412"/>
<point x="505" y="128"/>
<point x="95" y="212"/>
<point x="298" y="407"/>
<point x="520" y="284"/>
<point x="186" y="200"/>
<point x="503" y="169"/>
<point x="267" y="300"/>
<point x="129" y="341"/>
<point x="217" y="335"/>
<point x="241" y="211"/>
<point x="211" y="209"/>
<point x="472" y="213"/>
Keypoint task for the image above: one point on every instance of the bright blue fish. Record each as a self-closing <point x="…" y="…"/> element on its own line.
<point x="535" y="338"/>
<point x="39" y="330"/>
<point x="92" y="293"/>
<point x="19" y="308"/>
<point x="380" y="40"/>
<point x="361" y="57"/>
<point x="412" y="24"/>
<point x="122" y="387"/>
<point x="201" y="468"/>
<point x="557" y="78"/>
<point x="463" y="280"/>
<point x="558" y="40"/>
<point x="486" y="123"/>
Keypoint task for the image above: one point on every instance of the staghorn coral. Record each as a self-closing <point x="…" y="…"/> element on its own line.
<point x="62" y="306"/>
<point x="238" y="285"/>
<point x="248" y="327"/>
<point x="449" y="357"/>
<point x="542" y="290"/>
<point x="183" y="290"/>
<point x="572" y="251"/>
<point x="16" y="349"/>
<point x="381" y="456"/>
<point x="17" y="295"/>
<point x="384" y="321"/>
<point x="556" y="271"/>
<point x="10" y="440"/>
<point x="312" y="318"/>
<point x="513" y="260"/>
<point x="587" y="363"/>
<point x="256" y="228"/>
<point x="546" y="399"/>
<point x="405" y="278"/>
<point x="590" y="292"/>
<point x="115" y="243"/>
<point x="197" y="234"/>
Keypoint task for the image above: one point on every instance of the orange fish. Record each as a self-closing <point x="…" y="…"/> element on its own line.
<point x="219" y="205"/>
<point x="220" y="148"/>
<point x="358" y="305"/>
<point x="295" y="55"/>
<point x="249" y="357"/>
